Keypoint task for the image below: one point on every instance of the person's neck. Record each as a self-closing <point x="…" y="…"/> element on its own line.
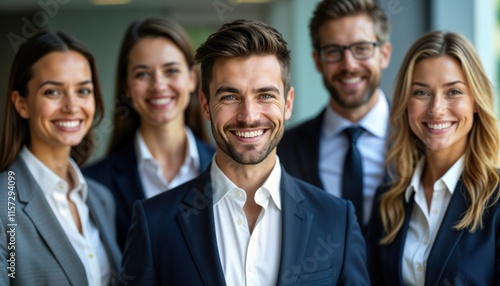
<point x="249" y="177"/>
<point x="56" y="159"/>
<point x="166" y="141"/>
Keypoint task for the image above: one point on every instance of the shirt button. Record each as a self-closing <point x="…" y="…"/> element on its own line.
<point x="239" y="221"/>
<point x="426" y="241"/>
<point x="238" y="194"/>
<point x="419" y="267"/>
<point x="60" y="185"/>
<point x="91" y="255"/>
<point x="435" y="211"/>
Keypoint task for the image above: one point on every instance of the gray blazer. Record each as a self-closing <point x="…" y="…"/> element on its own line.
<point x="43" y="253"/>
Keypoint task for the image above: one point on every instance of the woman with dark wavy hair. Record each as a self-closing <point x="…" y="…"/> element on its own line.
<point x="56" y="226"/>
<point x="438" y="223"/>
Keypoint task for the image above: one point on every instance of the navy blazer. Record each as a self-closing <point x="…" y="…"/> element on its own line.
<point x="172" y="240"/>
<point x="43" y="253"/>
<point x="119" y="173"/>
<point x="298" y="150"/>
<point x="457" y="257"/>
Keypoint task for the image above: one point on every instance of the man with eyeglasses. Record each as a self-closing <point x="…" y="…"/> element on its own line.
<point x="351" y="48"/>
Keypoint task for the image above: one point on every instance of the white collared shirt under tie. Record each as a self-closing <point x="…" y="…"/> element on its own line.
<point x="251" y="259"/>
<point x="424" y="221"/>
<point x="151" y="173"/>
<point x="87" y="245"/>
<point x="334" y="144"/>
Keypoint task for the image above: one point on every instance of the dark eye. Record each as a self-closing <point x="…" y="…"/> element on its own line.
<point x="419" y="92"/>
<point x="266" y="96"/>
<point x="227" y="97"/>
<point x="142" y="74"/>
<point x="455" y="92"/>
<point x="172" y="71"/>
<point x="85" y="91"/>
<point x="51" y="92"/>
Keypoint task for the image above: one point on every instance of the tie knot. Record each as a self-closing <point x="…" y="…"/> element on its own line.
<point x="353" y="133"/>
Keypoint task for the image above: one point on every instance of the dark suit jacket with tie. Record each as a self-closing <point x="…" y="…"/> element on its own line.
<point x="43" y="253"/>
<point x="172" y="240"/>
<point x="119" y="173"/>
<point x="298" y="150"/>
<point x="457" y="257"/>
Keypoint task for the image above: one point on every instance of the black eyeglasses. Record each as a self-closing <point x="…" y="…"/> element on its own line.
<point x="335" y="53"/>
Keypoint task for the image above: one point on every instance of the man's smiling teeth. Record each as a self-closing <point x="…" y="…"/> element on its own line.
<point x="439" y="126"/>
<point x="161" y="100"/>
<point x="250" y="134"/>
<point x="68" y="124"/>
<point x="351" y="80"/>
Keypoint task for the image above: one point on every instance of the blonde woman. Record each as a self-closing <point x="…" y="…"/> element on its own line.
<point x="438" y="222"/>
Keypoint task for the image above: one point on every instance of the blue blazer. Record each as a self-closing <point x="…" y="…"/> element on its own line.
<point x="119" y="173"/>
<point x="299" y="150"/>
<point x="457" y="257"/>
<point x="172" y="240"/>
<point x="43" y="253"/>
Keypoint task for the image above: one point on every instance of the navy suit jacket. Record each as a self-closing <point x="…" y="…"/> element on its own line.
<point x="119" y="173"/>
<point x="457" y="257"/>
<point x="172" y="240"/>
<point x="298" y="150"/>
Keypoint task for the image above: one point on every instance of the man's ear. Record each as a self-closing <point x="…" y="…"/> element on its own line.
<point x="193" y="78"/>
<point x="20" y="104"/>
<point x="289" y="103"/>
<point x="317" y="61"/>
<point x="386" y="51"/>
<point x="204" y="105"/>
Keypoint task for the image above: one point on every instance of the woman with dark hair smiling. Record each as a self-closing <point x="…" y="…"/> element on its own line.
<point x="157" y="141"/>
<point x="61" y="222"/>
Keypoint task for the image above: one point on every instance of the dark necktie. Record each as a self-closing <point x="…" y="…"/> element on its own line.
<point x="352" y="176"/>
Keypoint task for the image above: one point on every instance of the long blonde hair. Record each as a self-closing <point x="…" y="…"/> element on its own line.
<point x="479" y="176"/>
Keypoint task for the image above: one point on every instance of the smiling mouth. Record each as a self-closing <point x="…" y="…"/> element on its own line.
<point x="68" y="123"/>
<point x="161" y="101"/>
<point x="351" y="80"/>
<point x="439" y="126"/>
<point x="249" y="134"/>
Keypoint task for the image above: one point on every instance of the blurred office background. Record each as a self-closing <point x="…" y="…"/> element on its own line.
<point x="100" y="24"/>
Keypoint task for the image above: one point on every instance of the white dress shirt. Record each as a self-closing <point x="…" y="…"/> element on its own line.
<point x="250" y="259"/>
<point x="334" y="144"/>
<point x="88" y="244"/>
<point x="151" y="173"/>
<point x="425" y="221"/>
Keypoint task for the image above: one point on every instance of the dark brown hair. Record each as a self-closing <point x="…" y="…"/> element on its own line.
<point x="16" y="130"/>
<point x="335" y="9"/>
<point x="242" y="38"/>
<point x="125" y="119"/>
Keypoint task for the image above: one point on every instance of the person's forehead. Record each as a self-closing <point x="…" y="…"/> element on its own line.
<point x="347" y="30"/>
<point x="251" y="70"/>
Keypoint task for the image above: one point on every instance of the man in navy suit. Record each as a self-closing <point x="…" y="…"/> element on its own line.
<point x="351" y="46"/>
<point x="245" y="220"/>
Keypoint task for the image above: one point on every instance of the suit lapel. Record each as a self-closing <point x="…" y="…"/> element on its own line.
<point x="309" y="140"/>
<point x="47" y="225"/>
<point x="447" y="237"/>
<point x="197" y="225"/>
<point x="296" y="225"/>
<point x="127" y="178"/>
<point x="98" y="215"/>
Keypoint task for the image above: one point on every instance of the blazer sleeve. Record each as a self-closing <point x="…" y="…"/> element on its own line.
<point x="4" y="278"/>
<point x="137" y="263"/>
<point x="354" y="271"/>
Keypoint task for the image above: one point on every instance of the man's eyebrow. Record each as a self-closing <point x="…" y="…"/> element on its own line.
<point x="227" y="89"/>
